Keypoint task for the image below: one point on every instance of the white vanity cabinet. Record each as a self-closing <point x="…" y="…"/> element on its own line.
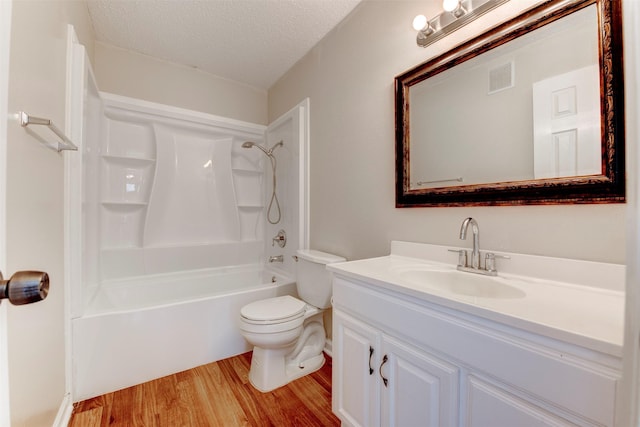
<point x="445" y="367"/>
<point x="411" y="388"/>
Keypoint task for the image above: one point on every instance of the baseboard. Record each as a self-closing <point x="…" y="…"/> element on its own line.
<point x="328" y="347"/>
<point x="64" y="412"/>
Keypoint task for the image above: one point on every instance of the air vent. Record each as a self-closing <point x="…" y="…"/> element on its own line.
<point x="501" y="77"/>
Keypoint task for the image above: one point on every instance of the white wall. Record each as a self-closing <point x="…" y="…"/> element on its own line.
<point x="349" y="79"/>
<point x="35" y="194"/>
<point x="127" y="73"/>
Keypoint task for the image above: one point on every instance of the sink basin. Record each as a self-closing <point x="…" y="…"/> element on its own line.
<point x="461" y="283"/>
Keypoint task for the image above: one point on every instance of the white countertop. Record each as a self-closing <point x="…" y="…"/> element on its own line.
<point x="564" y="308"/>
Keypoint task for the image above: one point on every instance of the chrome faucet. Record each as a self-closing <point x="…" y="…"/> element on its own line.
<point x="489" y="268"/>
<point x="276" y="258"/>
<point x="475" y="252"/>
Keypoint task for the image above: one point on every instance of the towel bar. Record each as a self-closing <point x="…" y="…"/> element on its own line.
<point x="65" y="144"/>
<point x="458" y="179"/>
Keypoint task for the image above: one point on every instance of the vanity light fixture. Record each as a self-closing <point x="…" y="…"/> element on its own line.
<point x="454" y="7"/>
<point x="457" y="13"/>
<point x="421" y="24"/>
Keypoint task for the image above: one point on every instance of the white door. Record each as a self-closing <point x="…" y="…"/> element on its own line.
<point x="629" y="405"/>
<point x="5" y="29"/>
<point x="565" y="140"/>
<point x="32" y="337"/>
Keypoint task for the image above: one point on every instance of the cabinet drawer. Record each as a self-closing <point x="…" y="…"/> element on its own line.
<point x="543" y="368"/>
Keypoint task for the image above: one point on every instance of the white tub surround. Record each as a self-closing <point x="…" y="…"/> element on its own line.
<point x="540" y="343"/>
<point x="177" y="191"/>
<point x="172" y="241"/>
<point x="166" y="189"/>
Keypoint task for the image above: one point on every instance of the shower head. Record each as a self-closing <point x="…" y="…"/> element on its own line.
<point x="250" y="144"/>
<point x="268" y="152"/>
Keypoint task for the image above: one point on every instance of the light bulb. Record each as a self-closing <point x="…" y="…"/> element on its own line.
<point x="450" y="5"/>
<point x="419" y="22"/>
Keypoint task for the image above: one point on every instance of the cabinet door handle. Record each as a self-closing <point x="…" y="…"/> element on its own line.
<point x="384" y="360"/>
<point x="370" y="356"/>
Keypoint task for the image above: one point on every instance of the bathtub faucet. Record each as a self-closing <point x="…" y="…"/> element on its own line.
<point x="276" y="258"/>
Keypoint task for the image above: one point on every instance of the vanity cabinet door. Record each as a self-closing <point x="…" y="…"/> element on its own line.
<point x="420" y="391"/>
<point x="356" y="383"/>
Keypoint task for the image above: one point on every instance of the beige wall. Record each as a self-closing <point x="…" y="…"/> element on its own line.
<point x="349" y="79"/>
<point x="139" y="76"/>
<point x="35" y="196"/>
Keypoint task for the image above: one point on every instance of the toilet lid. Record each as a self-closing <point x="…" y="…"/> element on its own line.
<point x="277" y="308"/>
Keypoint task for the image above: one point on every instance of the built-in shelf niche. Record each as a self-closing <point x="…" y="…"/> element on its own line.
<point x="248" y="187"/>
<point x="247" y="168"/>
<point x="122" y="224"/>
<point x="127" y="179"/>
<point x="127" y="172"/>
<point x="250" y="222"/>
<point x="129" y="136"/>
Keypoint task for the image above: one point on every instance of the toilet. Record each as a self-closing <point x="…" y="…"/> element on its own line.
<point x="288" y="333"/>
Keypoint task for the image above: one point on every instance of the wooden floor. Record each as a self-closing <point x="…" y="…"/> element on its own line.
<point x="217" y="394"/>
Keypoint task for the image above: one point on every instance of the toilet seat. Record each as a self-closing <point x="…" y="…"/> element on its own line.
<point x="272" y="315"/>
<point x="273" y="310"/>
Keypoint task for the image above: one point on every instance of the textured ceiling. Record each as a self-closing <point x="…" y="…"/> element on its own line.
<point x="249" y="41"/>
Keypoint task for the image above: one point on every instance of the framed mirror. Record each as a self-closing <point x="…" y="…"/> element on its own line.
<point x="530" y="112"/>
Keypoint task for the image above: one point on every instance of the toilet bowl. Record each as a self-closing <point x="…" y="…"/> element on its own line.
<point x="277" y="357"/>
<point x="288" y="333"/>
<point x="274" y="322"/>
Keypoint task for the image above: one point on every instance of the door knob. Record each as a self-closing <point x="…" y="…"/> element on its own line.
<point x="25" y="287"/>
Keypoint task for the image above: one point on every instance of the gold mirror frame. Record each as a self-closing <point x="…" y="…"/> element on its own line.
<point x="609" y="187"/>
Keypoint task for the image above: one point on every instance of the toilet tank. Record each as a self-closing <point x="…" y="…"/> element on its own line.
<point x="313" y="280"/>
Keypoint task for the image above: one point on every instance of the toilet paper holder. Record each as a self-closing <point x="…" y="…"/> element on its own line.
<point x="24" y="287"/>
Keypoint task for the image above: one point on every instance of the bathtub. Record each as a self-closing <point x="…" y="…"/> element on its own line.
<point x="139" y="329"/>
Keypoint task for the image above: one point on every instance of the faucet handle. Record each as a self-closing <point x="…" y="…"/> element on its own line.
<point x="462" y="256"/>
<point x="280" y="239"/>
<point x="490" y="261"/>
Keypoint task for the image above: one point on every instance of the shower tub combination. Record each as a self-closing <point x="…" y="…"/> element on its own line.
<point x="136" y="330"/>
<point x="173" y="225"/>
